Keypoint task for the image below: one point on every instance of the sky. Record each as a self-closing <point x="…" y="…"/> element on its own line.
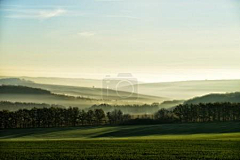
<point x="155" y="40"/>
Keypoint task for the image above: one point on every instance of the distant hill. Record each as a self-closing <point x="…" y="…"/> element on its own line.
<point x="8" y="89"/>
<point x="188" y="89"/>
<point x="94" y="93"/>
<point x="31" y="95"/>
<point x="11" y="106"/>
<point x="170" y="104"/>
<point x="25" y="94"/>
<point x="82" y="97"/>
<point x="15" y="81"/>
<point x="81" y="82"/>
<point x="212" y="98"/>
<point x="171" y="90"/>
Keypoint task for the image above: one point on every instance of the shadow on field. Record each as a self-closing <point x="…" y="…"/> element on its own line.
<point x="121" y="131"/>
<point x="173" y="129"/>
<point x="19" y="133"/>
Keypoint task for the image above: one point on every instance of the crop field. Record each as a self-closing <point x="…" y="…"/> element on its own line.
<point x="165" y="141"/>
<point x="216" y="130"/>
<point x="120" y="149"/>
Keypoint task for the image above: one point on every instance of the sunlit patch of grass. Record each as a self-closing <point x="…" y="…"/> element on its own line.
<point x="206" y="131"/>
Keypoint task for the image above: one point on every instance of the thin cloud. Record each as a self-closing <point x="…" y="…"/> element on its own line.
<point x="31" y="13"/>
<point x="38" y="14"/>
<point x="86" y="34"/>
<point x="50" y="14"/>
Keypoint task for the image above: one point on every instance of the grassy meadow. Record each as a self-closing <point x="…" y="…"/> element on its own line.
<point x="212" y="131"/>
<point x="164" y="141"/>
<point x="120" y="149"/>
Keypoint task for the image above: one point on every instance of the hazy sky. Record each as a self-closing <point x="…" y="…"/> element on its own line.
<point x="155" y="40"/>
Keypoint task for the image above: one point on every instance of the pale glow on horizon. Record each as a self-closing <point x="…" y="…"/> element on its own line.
<point x="163" y="76"/>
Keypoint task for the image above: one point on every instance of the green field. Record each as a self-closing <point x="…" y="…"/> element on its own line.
<point x="165" y="141"/>
<point x="120" y="149"/>
<point x="223" y="130"/>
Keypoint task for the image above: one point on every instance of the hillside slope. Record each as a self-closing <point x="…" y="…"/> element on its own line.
<point x="37" y="95"/>
<point x="81" y="82"/>
<point x="188" y="89"/>
<point x="94" y="93"/>
<point x="10" y="89"/>
<point x="164" y="131"/>
<point x="213" y="98"/>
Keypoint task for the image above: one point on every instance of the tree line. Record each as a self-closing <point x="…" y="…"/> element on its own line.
<point x="59" y="117"/>
<point x="209" y="112"/>
<point x="128" y="108"/>
<point x="73" y="116"/>
<point x="14" y="106"/>
<point x="18" y="89"/>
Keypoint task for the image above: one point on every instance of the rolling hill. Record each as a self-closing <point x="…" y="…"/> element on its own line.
<point x="161" y="131"/>
<point x="15" y="81"/>
<point x="9" y="89"/>
<point x="213" y="98"/>
<point x="93" y="93"/>
<point x="82" y="97"/>
<point x="14" y="106"/>
<point x="37" y="95"/>
<point x="188" y="89"/>
<point x="81" y="82"/>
